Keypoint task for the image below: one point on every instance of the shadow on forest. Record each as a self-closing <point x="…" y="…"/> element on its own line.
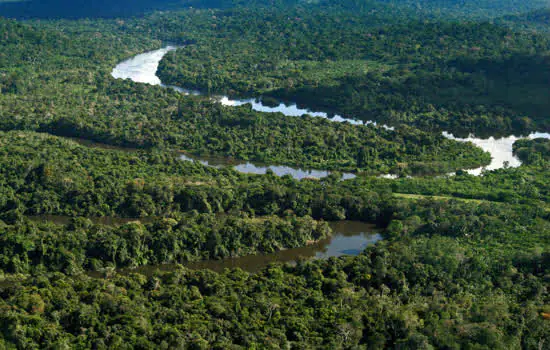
<point x="520" y="83"/>
<point x="74" y="9"/>
<point x="466" y="94"/>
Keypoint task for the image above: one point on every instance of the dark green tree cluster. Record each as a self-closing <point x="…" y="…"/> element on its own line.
<point x="81" y="245"/>
<point x="468" y="9"/>
<point x="533" y="152"/>
<point x="437" y="75"/>
<point x="538" y="20"/>
<point x="462" y="276"/>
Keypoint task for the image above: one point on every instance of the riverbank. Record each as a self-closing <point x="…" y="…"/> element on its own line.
<point x="143" y="69"/>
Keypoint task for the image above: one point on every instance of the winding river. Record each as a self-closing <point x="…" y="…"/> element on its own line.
<point x="142" y="69"/>
<point x="349" y="238"/>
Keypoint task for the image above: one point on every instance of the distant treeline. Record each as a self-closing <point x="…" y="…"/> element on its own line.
<point x="458" y="77"/>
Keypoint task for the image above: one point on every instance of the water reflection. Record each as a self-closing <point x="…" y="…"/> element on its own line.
<point x="348" y="238"/>
<point x="292" y="110"/>
<point x="261" y="169"/>
<point x="501" y="150"/>
<point x="142" y="69"/>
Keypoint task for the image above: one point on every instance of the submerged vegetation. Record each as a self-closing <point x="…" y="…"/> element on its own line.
<point x="465" y="260"/>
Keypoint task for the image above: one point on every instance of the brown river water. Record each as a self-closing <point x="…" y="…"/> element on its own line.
<point x="348" y="238"/>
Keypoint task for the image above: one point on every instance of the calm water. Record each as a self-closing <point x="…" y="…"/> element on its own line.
<point x="256" y="168"/>
<point x="348" y="238"/>
<point x="501" y="150"/>
<point x="142" y="68"/>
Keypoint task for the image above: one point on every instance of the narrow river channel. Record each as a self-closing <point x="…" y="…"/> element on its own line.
<point x="348" y="238"/>
<point x="143" y="68"/>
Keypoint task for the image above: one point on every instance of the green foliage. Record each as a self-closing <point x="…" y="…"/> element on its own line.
<point x="448" y="76"/>
<point x="466" y="269"/>
<point x="41" y="174"/>
<point x="81" y="100"/>
<point x="438" y="286"/>
<point x="468" y="9"/>
<point x="538" y="20"/>
<point x="80" y="245"/>
<point x="536" y="152"/>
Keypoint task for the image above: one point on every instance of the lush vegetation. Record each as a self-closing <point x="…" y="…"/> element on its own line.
<point x="465" y="260"/>
<point x="78" y="103"/>
<point x="451" y="272"/>
<point x="534" y="152"/>
<point x="90" y="182"/>
<point x="80" y="245"/>
<point x="525" y="185"/>
<point x="468" y="9"/>
<point x="466" y="277"/>
<point x="457" y="77"/>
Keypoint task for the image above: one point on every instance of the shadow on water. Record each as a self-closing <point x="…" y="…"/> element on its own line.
<point x="348" y="238"/>
<point x="104" y="146"/>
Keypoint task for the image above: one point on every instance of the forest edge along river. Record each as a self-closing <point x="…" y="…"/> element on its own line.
<point x="347" y="238"/>
<point x="143" y="68"/>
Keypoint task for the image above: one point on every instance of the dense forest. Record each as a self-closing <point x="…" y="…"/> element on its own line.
<point x="464" y="276"/>
<point x="81" y="245"/>
<point x="468" y="9"/>
<point x="538" y="20"/>
<point x="95" y="199"/>
<point x="448" y="9"/>
<point x="533" y="151"/>
<point x="458" y="77"/>
<point x="77" y="103"/>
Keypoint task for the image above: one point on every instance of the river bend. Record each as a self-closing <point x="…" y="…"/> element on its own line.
<point x="143" y="67"/>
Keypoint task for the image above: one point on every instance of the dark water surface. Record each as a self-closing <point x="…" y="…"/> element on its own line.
<point x="348" y="238"/>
